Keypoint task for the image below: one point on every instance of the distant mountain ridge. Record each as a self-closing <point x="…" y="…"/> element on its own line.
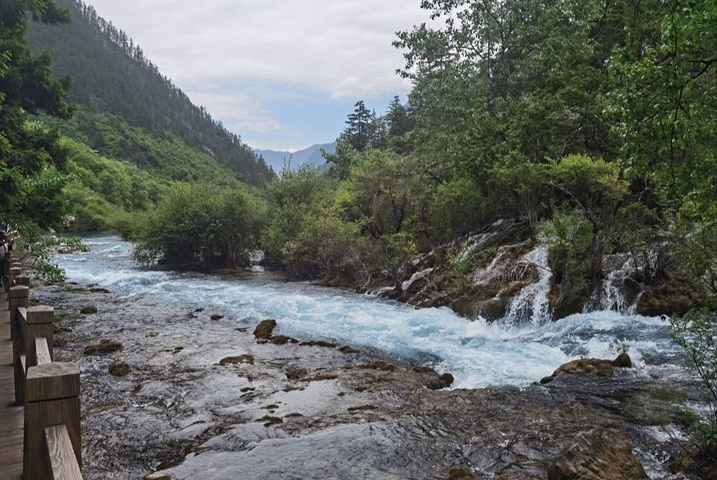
<point x="116" y="84"/>
<point x="278" y="160"/>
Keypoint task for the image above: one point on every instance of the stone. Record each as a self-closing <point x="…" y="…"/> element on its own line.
<point x="216" y="317"/>
<point x="431" y="379"/>
<point x="297" y="373"/>
<point x="264" y="330"/>
<point x="237" y="360"/>
<point x="105" y="346"/>
<point x="89" y="309"/>
<point x="595" y="366"/>
<point x="120" y="369"/>
<point x="597" y="455"/>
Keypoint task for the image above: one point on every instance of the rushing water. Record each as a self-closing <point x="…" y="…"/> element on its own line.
<point x="476" y="353"/>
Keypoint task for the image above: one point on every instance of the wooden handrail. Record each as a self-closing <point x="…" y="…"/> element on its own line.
<point x="42" y="351"/>
<point x="50" y="391"/>
<point x="62" y="456"/>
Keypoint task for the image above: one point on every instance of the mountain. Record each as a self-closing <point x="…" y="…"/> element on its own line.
<point x="118" y="88"/>
<point x="278" y="160"/>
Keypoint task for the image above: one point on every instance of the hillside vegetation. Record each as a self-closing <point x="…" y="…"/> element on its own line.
<point x="126" y="104"/>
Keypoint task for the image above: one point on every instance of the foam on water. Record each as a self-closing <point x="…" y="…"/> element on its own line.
<point x="478" y="354"/>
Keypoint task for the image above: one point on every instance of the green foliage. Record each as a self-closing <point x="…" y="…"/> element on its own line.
<point x="664" y="101"/>
<point x="102" y="191"/>
<point x="696" y="256"/>
<point x="199" y="226"/>
<point x="696" y="333"/>
<point x="30" y="158"/>
<point x="115" y="81"/>
<point x="165" y="156"/>
<point x="569" y="238"/>
<point x="296" y="199"/>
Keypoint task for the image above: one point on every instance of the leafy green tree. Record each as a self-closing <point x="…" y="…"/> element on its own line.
<point x="30" y="157"/>
<point x="200" y="226"/>
<point x="664" y="101"/>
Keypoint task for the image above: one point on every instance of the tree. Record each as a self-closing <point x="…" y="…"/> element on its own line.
<point x="664" y="102"/>
<point x="30" y="156"/>
<point x="360" y="127"/>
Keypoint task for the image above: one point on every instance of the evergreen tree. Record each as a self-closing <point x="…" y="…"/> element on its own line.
<point x="360" y="127"/>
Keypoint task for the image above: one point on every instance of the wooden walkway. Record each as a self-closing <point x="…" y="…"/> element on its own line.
<point x="11" y="417"/>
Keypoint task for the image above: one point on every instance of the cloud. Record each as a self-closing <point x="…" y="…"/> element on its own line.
<point x="319" y="44"/>
<point x="245" y="59"/>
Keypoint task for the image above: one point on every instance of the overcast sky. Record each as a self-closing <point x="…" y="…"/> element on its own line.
<point x="283" y="74"/>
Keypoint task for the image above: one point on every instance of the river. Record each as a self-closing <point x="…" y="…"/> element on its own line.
<point x="508" y="352"/>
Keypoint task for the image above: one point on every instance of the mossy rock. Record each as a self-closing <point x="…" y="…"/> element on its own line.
<point x="105" y="346"/>
<point x="264" y="330"/>
<point x="120" y="369"/>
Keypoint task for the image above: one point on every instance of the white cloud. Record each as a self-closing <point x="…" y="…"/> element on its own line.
<point x="237" y="57"/>
<point x="320" y="44"/>
<point x="237" y="110"/>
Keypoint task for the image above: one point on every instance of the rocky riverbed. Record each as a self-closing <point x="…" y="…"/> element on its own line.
<point x="172" y="393"/>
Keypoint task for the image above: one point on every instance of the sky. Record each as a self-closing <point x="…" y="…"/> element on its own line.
<point x="283" y="74"/>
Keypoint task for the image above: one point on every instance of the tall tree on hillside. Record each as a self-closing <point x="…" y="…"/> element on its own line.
<point x="360" y="126"/>
<point x="30" y="158"/>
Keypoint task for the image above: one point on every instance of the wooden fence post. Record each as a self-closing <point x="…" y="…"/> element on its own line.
<point x="52" y="398"/>
<point x="10" y="281"/>
<point x="19" y="298"/>
<point x="33" y="323"/>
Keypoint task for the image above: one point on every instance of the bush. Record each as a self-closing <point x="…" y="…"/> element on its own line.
<point x="696" y="333"/>
<point x="199" y="226"/>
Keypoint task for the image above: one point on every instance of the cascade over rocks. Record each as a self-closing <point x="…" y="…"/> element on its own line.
<point x="476" y="275"/>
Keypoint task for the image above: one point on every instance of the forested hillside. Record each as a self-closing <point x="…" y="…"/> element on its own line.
<point x="119" y="91"/>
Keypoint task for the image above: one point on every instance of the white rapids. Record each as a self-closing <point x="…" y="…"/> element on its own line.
<point x="478" y="354"/>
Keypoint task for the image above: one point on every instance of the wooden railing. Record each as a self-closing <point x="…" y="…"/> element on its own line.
<point x="49" y="391"/>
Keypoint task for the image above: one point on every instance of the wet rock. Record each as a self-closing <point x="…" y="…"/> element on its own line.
<point x="246" y="358"/>
<point x="361" y="408"/>
<point x="459" y="474"/>
<point x="60" y="342"/>
<point x="432" y="379"/>
<point x="264" y="330"/>
<point x="597" y="455"/>
<point x="120" y="369"/>
<point x="89" y="309"/>
<point x="297" y="374"/>
<point x="158" y="476"/>
<point x="216" y="317"/>
<point x="623" y="361"/>
<point x="99" y="290"/>
<point x="594" y="366"/>
<point x="321" y="377"/>
<point x="105" y="346"/>
<point x="319" y="343"/>
<point x="347" y="349"/>
<point x="153" y="334"/>
<point x="281" y="340"/>
<point x="269" y="420"/>
<point x="380" y="365"/>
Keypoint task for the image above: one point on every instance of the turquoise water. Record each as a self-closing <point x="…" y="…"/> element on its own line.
<point x="478" y="354"/>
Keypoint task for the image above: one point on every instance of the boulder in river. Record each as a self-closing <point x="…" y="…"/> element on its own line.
<point x="597" y="455"/>
<point x="595" y="366"/>
<point x="264" y="330"/>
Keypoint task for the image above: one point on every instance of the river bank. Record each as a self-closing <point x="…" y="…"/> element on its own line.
<point x="200" y="397"/>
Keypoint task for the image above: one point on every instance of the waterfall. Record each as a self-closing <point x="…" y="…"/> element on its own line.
<point x="531" y="304"/>
<point x="612" y="294"/>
